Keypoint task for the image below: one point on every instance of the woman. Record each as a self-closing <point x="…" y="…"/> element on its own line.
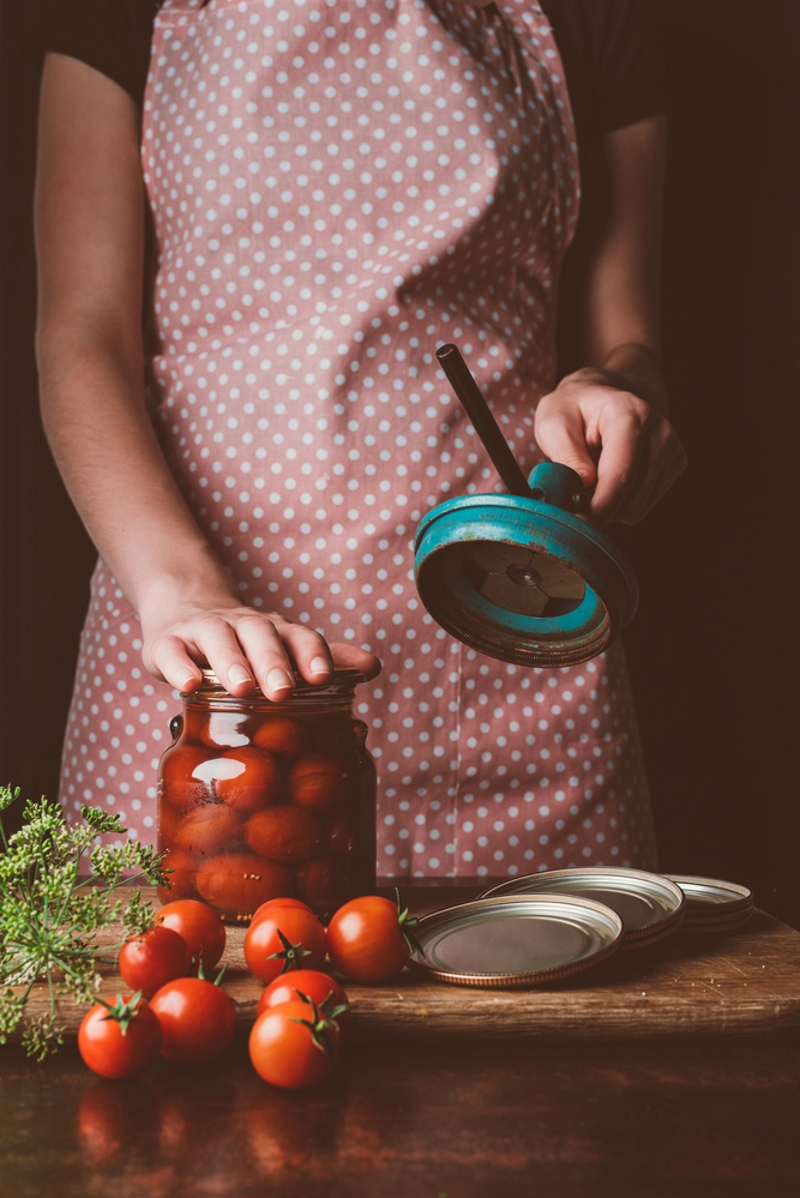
<point x="335" y="190"/>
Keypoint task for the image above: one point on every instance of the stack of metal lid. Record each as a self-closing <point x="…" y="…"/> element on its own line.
<point x="542" y="927"/>
<point x="713" y="905"/>
<point x="650" y="906"/>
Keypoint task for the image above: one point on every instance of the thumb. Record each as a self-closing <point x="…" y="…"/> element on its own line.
<point x="561" y="435"/>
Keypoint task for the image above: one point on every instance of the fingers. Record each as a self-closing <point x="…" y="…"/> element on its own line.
<point x="667" y="461"/>
<point x="305" y="648"/>
<point x="350" y="657"/>
<point x="168" y="660"/>
<point x="620" y="467"/>
<point x="560" y="433"/>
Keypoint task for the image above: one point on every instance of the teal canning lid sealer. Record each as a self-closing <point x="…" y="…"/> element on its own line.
<point x="520" y="577"/>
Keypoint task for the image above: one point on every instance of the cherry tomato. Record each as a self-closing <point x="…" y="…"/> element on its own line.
<point x="168" y="821"/>
<point x="181" y="878"/>
<point x="247" y="779"/>
<point x="225" y="729"/>
<point x="323" y="884"/>
<point x="197" y="1019"/>
<point x="284" y="834"/>
<point x="238" y="883"/>
<point x="267" y="907"/>
<point x="280" y="734"/>
<point x="183" y="781"/>
<point x="265" y="943"/>
<point x="208" y="830"/>
<point x="322" y="784"/>
<point x="291" y="1048"/>
<point x="157" y="956"/>
<point x="324" y="990"/>
<point x="343" y="834"/>
<point x="119" y="1040"/>
<point x="200" y="927"/>
<point x="366" y="939"/>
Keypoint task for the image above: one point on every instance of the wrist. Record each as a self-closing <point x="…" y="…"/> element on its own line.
<point x="186" y="587"/>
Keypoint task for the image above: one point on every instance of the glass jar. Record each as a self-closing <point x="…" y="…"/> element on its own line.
<point x="261" y="800"/>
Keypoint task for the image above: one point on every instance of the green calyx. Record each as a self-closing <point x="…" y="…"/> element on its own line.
<point x="318" y="1025"/>
<point x="406" y="925"/>
<point x="123" y="1010"/>
<point x="327" y="1007"/>
<point x="290" y="954"/>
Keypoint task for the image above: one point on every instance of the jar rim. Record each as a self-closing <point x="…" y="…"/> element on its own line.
<point x="349" y="677"/>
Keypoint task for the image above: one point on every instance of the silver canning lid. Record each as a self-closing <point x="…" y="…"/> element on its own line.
<point x="515" y="941"/>
<point x="712" y="900"/>
<point x="650" y="906"/>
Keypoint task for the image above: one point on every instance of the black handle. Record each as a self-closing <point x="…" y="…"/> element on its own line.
<point x="469" y="396"/>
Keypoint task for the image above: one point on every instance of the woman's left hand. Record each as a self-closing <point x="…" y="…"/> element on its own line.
<point x="626" y="452"/>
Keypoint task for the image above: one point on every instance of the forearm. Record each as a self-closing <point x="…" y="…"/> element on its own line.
<point x="94" y="414"/>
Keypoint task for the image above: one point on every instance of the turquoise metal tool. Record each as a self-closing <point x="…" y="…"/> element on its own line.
<point x="520" y="577"/>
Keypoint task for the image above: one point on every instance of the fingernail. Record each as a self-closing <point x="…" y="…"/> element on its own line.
<point x="237" y="674"/>
<point x="279" y="680"/>
<point x="319" y="666"/>
<point x="183" y="676"/>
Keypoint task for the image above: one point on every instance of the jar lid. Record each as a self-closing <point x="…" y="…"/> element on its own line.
<point x="712" y="903"/>
<point x="340" y="679"/>
<point x="522" y="940"/>
<point x="522" y="579"/>
<point x="649" y="905"/>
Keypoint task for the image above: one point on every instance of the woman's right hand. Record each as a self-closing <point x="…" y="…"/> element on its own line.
<point x="245" y="648"/>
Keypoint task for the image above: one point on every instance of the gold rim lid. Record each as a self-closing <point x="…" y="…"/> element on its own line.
<point x="514" y="941"/>
<point x="648" y="904"/>
<point x="339" y="678"/>
<point x="711" y="899"/>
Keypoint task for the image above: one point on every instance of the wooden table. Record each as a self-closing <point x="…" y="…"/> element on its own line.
<point x="408" y="1117"/>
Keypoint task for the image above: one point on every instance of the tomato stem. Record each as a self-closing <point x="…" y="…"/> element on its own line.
<point x="406" y="925"/>
<point x="290" y="954"/>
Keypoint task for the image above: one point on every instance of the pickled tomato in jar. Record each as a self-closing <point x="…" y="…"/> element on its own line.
<point x="258" y="800"/>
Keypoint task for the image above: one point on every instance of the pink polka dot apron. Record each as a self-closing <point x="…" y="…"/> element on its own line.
<point x="339" y="186"/>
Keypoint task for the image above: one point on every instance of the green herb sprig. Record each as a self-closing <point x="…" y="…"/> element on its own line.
<point x="50" y="915"/>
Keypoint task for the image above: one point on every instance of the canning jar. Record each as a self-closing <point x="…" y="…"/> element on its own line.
<point x="261" y="800"/>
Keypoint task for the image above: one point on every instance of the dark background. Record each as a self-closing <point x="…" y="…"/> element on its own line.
<point x="713" y="650"/>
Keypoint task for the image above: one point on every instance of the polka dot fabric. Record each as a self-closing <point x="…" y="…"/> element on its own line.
<point x="338" y="188"/>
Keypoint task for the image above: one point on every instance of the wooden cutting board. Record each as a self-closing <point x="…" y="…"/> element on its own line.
<point x="688" y="984"/>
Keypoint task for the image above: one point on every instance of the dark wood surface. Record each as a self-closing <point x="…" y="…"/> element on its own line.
<point x="687" y="984"/>
<point x="407" y="1117"/>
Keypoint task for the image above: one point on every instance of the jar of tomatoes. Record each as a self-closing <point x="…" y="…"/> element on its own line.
<point x="261" y="800"/>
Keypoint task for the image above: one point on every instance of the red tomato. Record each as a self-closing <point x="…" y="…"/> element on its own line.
<point x="322" y="784"/>
<point x="321" y="988"/>
<point x="157" y="956"/>
<point x="225" y="729"/>
<point x="180" y="782"/>
<point x="247" y="779"/>
<point x="168" y="821"/>
<point x="197" y="1019"/>
<point x="181" y="878"/>
<point x="284" y="834"/>
<point x="267" y="907"/>
<point x="279" y="734"/>
<point x="119" y="1040"/>
<point x="237" y="883"/>
<point x="266" y="953"/>
<point x="343" y="834"/>
<point x="366" y="939"/>
<point x="290" y="1048"/>
<point x="200" y="927"/>
<point x="208" y="830"/>
<point x="323" y="884"/>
